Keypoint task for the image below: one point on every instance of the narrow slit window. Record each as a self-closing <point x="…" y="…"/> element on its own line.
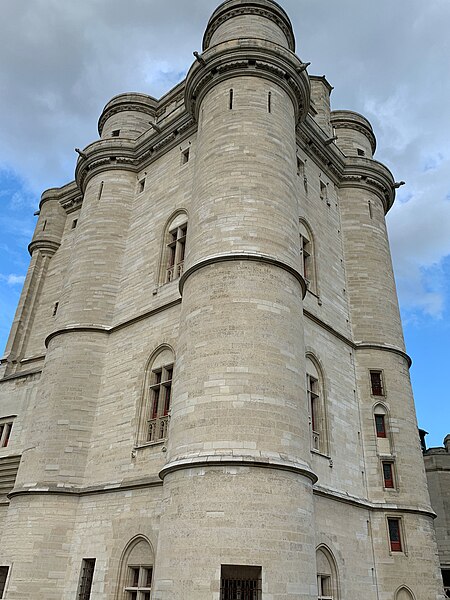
<point x="231" y="99"/>
<point x="74" y="223"/>
<point x="388" y="475"/>
<point x="395" y="537"/>
<point x="3" y="577"/>
<point x="142" y="185"/>
<point x="269" y="102"/>
<point x="185" y="156"/>
<point x="44" y="225"/>
<point x="55" y="308"/>
<point x="370" y="209"/>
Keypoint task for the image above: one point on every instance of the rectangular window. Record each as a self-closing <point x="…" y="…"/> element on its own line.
<point x="161" y="392"/>
<point x="240" y="582"/>
<point x="5" y="433"/>
<point x="185" y="156"/>
<point x="3" y="577"/>
<point x="141" y="185"/>
<point x="395" y="538"/>
<point x="323" y="190"/>
<point x="86" y="578"/>
<point x="139" y="583"/>
<point x="376" y="383"/>
<point x="380" y="426"/>
<point x="324" y="587"/>
<point x="446" y="580"/>
<point x="388" y="475"/>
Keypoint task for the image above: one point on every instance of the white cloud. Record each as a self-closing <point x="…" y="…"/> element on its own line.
<point x="13" y="279"/>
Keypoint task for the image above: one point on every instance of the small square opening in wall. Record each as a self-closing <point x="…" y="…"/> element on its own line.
<point x="141" y="185"/>
<point x="185" y="154"/>
<point x="360" y="152"/>
<point x="115" y="133"/>
<point x="74" y="223"/>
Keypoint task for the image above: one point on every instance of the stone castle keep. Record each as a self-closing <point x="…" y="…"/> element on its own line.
<point x="205" y="394"/>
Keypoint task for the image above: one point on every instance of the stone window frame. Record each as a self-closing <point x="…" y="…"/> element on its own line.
<point x="317" y="407"/>
<point x="308" y="262"/>
<point x="173" y="247"/>
<point x="5" y="580"/>
<point x="402" y="535"/>
<point x="86" y="579"/>
<point x="386" y="460"/>
<point x="372" y="388"/>
<point x="153" y="427"/>
<point x="332" y="592"/>
<point x="124" y="590"/>
<point x="406" y="589"/>
<point x="6" y="426"/>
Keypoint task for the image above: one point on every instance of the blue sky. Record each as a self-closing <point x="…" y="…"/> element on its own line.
<point x="387" y="60"/>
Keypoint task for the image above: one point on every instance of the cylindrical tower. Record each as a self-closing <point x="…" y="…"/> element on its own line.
<point x="237" y="480"/>
<point x="46" y="240"/>
<point x="394" y="464"/>
<point x="55" y="458"/>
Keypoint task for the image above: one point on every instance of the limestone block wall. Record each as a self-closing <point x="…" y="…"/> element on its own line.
<point x="437" y="466"/>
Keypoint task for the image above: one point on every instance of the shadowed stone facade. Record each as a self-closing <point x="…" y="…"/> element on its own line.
<point x="437" y="467"/>
<point x="206" y="382"/>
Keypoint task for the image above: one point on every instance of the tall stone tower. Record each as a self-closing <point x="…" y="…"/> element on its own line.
<point x="205" y="394"/>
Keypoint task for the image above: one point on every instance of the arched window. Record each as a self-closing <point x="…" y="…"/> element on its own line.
<point x="157" y="397"/>
<point x="404" y="594"/>
<point x="327" y="576"/>
<point x="136" y="570"/>
<point x="174" y="246"/>
<point x="308" y="266"/>
<point x="316" y="405"/>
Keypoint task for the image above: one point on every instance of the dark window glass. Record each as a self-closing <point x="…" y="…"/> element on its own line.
<point x="380" y="426"/>
<point x="3" y="578"/>
<point x="388" y="475"/>
<point x="394" y="535"/>
<point x="86" y="578"/>
<point x="376" y="383"/>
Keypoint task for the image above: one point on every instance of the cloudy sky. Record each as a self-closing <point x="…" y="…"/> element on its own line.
<point x="389" y="59"/>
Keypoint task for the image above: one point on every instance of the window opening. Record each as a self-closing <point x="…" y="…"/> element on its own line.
<point x="176" y="250"/>
<point x="323" y="190"/>
<point x="395" y="535"/>
<point x="74" y="223"/>
<point x="370" y="209"/>
<point x="269" y="102"/>
<point x="446" y="580"/>
<point x="240" y="583"/>
<point x="313" y="399"/>
<point x="3" y="577"/>
<point x="324" y="587"/>
<point x="5" y="433"/>
<point x="86" y="578"/>
<point x="44" y="225"/>
<point x="161" y="396"/>
<point x="305" y="249"/>
<point x="142" y="185"/>
<point x="115" y="133"/>
<point x="388" y="475"/>
<point x="231" y="99"/>
<point x="139" y="583"/>
<point x="360" y="152"/>
<point x="185" y="156"/>
<point x="376" y="383"/>
<point x="55" y="309"/>
<point x="380" y="426"/>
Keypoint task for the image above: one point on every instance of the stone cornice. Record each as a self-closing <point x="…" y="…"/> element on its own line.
<point x="235" y="256"/>
<point x="261" y="8"/>
<point x="129" y="101"/>
<point x="383" y="348"/>
<point x="45" y="246"/>
<point x="248" y="57"/>
<point x="371" y="175"/>
<point x="257" y="460"/>
<point x="372" y="506"/>
<point x="347" y="119"/>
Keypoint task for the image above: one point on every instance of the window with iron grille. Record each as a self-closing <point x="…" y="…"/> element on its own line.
<point x="160" y="398"/>
<point x="376" y="383"/>
<point x="176" y="249"/>
<point x="239" y="582"/>
<point x="395" y="535"/>
<point x="86" y="578"/>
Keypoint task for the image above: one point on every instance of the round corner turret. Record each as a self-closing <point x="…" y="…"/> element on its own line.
<point x="50" y="226"/>
<point x="127" y="116"/>
<point x="355" y="136"/>
<point x="263" y="19"/>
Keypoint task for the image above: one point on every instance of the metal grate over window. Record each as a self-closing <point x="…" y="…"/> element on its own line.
<point x="240" y="583"/>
